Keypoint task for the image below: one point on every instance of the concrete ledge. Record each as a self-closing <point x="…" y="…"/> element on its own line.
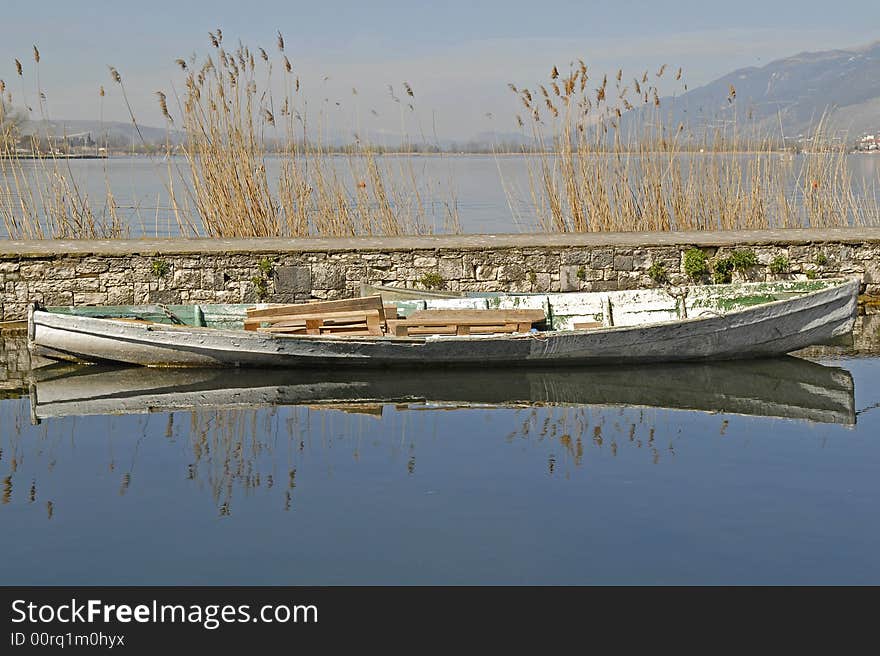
<point x="150" y="247"/>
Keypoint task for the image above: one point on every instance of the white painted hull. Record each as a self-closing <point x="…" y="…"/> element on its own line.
<point x="766" y="330"/>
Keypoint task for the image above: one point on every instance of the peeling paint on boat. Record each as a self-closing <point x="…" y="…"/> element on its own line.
<point x="719" y="322"/>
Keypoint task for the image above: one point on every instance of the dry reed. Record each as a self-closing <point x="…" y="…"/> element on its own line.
<point x="602" y="159"/>
<point x="234" y="129"/>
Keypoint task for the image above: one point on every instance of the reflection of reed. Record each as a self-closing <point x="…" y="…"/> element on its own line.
<point x="234" y="453"/>
<point x="570" y="430"/>
<point x="242" y="448"/>
<point x="226" y="445"/>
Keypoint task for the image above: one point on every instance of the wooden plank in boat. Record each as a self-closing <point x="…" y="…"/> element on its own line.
<point x="343" y="305"/>
<point x="359" y="329"/>
<point x="316" y="324"/>
<point x="253" y="324"/>
<point x="410" y="327"/>
<point x="484" y="316"/>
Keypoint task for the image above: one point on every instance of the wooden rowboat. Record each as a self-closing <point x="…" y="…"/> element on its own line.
<point x="712" y="322"/>
<point x="788" y="387"/>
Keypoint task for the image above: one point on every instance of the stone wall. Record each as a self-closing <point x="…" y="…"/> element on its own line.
<point x="15" y="365"/>
<point x="237" y="271"/>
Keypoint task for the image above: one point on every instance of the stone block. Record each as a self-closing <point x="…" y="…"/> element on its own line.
<point x="58" y="298"/>
<point x="38" y="270"/>
<point x="354" y="274"/>
<point x="328" y="277"/>
<point x="486" y="272"/>
<point x="84" y="285"/>
<point x="60" y="272"/>
<point x="568" y="277"/>
<point x="186" y="278"/>
<point x="293" y="280"/>
<point x="14" y="311"/>
<point x="631" y="280"/>
<point x="89" y="298"/>
<point x="575" y="256"/>
<point x="623" y="262"/>
<point x="425" y="262"/>
<point x="642" y="259"/>
<point x="116" y="279"/>
<point x="187" y="262"/>
<point x="92" y="265"/>
<point x="450" y="268"/>
<point x="872" y="273"/>
<point x="602" y="258"/>
<point x="542" y="282"/>
<point x="513" y="272"/>
<point x="545" y="262"/>
<point x="213" y="279"/>
<point x="123" y="295"/>
<point x="167" y="296"/>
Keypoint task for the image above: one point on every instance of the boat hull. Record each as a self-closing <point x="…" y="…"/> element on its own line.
<point x="767" y="330"/>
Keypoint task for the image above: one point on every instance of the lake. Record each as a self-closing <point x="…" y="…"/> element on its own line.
<point x="754" y="472"/>
<point x="491" y="194"/>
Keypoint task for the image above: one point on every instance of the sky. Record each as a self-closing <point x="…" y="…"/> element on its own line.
<point x="457" y="56"/>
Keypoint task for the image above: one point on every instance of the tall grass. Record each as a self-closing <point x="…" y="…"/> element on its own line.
<point x="603" y="157"/>
<point x="39" y="196"/>
<point x="235" y="123"/>
<point x="232" y="114"/>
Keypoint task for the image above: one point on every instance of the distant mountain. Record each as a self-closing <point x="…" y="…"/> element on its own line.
<point x="791" y="95"/>
<point x="116" y="132"/>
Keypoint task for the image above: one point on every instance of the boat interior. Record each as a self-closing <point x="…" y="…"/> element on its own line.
<point x="484" y="313"/>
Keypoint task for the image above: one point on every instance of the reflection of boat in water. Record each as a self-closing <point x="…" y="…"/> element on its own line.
<point x="786" y="387"/>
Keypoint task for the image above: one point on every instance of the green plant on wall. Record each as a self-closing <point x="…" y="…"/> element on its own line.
<point x="431" y="280"/>
<point x="265" y="268"/>
<point x="160" y="268"/>
<point x="696" y="264"/>
<point x="657" y="273"/>
<point x="743" y="260"/>
<point x="533" y="278"/>
<point x="778" y="264"/>
<point x="821" y="259"/>
<point x="581" y="273"/>
<point x="722" y="271"/>
<point x="261" y="287"/>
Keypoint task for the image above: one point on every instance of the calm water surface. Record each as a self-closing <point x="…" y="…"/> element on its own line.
<point x="490" y="194"/>
<point x="638" y="476"/>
